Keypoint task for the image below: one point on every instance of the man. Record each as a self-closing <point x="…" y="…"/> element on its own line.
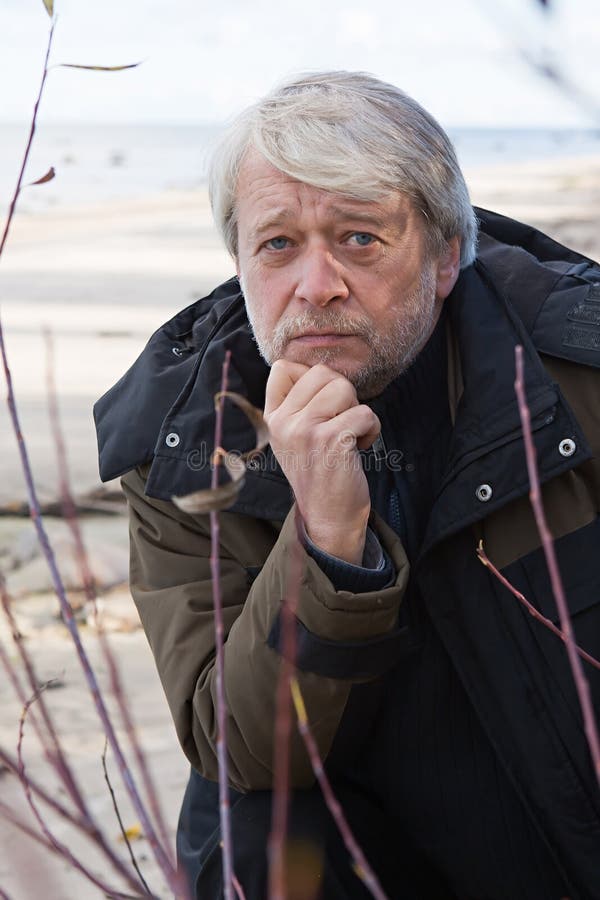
<point x="381" y="345"/>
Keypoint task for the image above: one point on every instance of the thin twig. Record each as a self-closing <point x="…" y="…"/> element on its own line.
<point x="581" y="684"/>
<point x="361" y="867"/>
<point x="10" y="815"/>
<point x="124" y="834"/>
<point x="238" y="888"/>
<point x="283" y="727"/>
<point x="51" y="747"/>
<point x="225" y="818"/>
<point x="71" y="517"/>
<point x="159" y="852"/>
<point x="483" y="557"/>
<point x="19" y="689"/>
<point x="58" y="762"/>
<point x="15" y="197"/>
<point x="60" y="848"/>
<point x="80" y="823"/>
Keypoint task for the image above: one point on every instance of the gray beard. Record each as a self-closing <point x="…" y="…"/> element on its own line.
<point x="392" y="352"/>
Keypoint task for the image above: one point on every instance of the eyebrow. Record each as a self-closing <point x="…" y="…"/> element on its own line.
<point x="277" y="218"/>
<point x="380" y="221"/>
<point x="281" y="217"/>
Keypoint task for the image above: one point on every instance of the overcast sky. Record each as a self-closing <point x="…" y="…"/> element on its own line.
<point x="204" y="61"/>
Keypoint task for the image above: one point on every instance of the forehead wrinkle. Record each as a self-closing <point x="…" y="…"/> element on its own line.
<point x="282" y="216"/>
<point x="372" y="212"/>
<point x="274" y="219"/>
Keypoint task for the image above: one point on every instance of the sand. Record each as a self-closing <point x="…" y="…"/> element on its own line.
<point x="102" y="279"/>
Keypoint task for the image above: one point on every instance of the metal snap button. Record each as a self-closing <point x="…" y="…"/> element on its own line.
<point x="567" y="447"/>
<point x="172" y="439"/>
<point x="484" y="493"/>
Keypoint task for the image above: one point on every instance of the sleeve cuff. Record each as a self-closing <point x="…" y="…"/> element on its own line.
<point x="376" y="572"/>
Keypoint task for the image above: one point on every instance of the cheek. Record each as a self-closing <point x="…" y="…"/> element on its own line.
<point x="268" y="293"/>
<point x="263" y="313"/>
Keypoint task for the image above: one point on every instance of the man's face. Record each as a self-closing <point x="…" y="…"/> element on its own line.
<point x="334" y="280"/>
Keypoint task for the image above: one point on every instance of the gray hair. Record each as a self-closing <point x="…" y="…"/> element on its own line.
<point x="349" y="133"/>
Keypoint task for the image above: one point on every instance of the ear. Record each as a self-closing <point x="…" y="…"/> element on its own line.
<point x="447" y="269"/>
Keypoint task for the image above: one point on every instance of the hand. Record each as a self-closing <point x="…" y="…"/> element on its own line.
<point x="317" y="427"/>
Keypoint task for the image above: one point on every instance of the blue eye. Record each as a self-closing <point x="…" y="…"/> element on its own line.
<point x="363" y="238"/>
<point x="277" y="243"/>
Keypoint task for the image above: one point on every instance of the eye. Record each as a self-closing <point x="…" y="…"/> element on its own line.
<point x="277" y="243"/>
<point x="362" y="238"/>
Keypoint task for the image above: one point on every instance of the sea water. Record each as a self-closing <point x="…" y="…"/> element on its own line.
<point x="94" y="163"/>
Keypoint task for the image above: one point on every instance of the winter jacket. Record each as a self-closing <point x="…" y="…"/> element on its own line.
<point x="155" y="428"/>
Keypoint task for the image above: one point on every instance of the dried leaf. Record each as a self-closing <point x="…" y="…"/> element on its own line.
<point x="253" y="413"/>
<point x="97" y="68"/>
<point x="214" y="499"/>
<point x="50" y="174"/>
<point x="133" y="833"/>
<point x="49" y="4"/>
<point x="235" y="465"/>
<point x="209" y="500"/>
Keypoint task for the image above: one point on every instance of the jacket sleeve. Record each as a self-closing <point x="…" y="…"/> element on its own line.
<point x="171" y="586"/>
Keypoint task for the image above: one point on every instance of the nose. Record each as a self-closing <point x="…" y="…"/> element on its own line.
<point x="320" y="278"/>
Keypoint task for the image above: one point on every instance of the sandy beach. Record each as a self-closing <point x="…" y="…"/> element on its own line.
<point x="102" y="279"/>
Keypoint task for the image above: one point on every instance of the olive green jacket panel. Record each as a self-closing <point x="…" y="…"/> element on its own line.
<point x="171" y="585"/>
<point x="572" y="500"/>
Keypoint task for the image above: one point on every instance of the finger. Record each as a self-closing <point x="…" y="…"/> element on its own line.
<point x="333" y="398"/>
<point x="359" y="426"/>
<point x="282" y="378"/>
<point x="308" y="386"/>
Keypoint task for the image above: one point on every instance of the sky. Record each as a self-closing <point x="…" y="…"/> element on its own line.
<point x="203" y="62"/>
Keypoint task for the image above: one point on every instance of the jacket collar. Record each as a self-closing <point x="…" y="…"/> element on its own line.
<point x="162" y="410"/>
<point x="487" y="447"/>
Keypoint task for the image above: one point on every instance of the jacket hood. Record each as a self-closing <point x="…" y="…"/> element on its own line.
<point x="162" y="410"/>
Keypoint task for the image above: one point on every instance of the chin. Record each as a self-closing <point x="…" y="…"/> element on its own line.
<point x="312" y="356"/>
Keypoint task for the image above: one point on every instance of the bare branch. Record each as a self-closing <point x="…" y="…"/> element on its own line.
<point x="283" y="728"/>
<point x="13" y="203"/>
<point x="70" y="514"/>
<point x="581" y="684"/>
<point x="53" y="752"/>
<point x="238" y="889"/>
<point x="134" y="861"/>
<point x="361" y="867"/>
<point x="159" y="852"/>
<point x="530" y="607"/>
<point x="57" y="845"/>
<point x="215" y="568"/>
<point x="50" y="741"/>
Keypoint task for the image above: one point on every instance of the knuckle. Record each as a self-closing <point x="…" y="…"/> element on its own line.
<point x="277" y="367"/>
<point x="343" y="390"/>
<point x="368" y="412"/>
<point x="322" y="371"/>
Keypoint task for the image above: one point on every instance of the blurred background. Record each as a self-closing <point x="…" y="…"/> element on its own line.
<point x="122" y="239"/>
